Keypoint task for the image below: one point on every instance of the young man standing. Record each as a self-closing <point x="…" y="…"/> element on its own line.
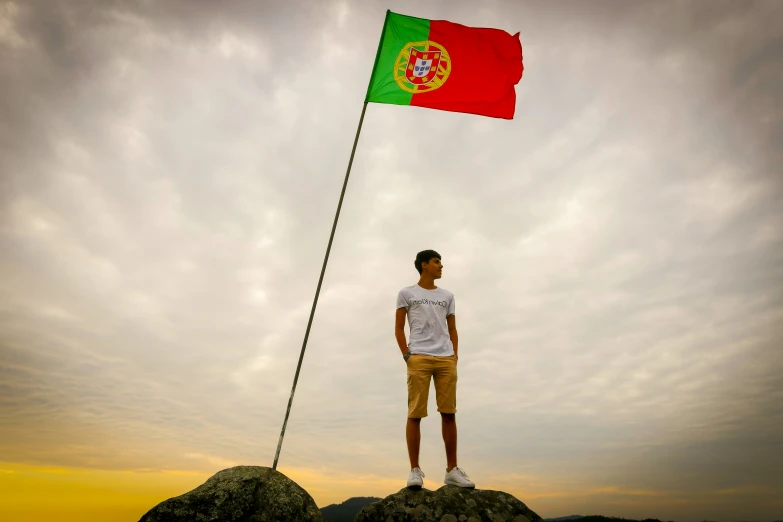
<point x="432" y="352"/>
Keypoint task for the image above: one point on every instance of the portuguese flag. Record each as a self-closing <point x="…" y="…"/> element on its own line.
<point x="442" y="65"/>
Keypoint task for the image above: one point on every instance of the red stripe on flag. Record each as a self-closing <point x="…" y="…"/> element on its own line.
<point x="486" y="64"/>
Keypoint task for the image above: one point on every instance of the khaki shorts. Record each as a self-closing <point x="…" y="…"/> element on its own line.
<point x="444" y="371"/>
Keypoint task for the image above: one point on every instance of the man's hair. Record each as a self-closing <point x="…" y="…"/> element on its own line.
<point x="424" y="257"/>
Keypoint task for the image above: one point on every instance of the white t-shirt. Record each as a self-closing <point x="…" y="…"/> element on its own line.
<point x="427" y="312"/>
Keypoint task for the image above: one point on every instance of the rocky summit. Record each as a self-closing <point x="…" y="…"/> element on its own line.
<point x="448" y="504"/>
<point x="241" y="494"/>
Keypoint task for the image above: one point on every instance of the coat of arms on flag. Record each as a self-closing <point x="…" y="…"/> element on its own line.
<point x="422" y="66"/>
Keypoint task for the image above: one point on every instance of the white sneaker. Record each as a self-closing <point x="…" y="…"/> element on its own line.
<point x="415" y="479"/>
<point x="457" y="477"/>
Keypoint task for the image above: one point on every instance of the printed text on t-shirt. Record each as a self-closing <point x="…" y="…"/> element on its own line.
<point x="428" y="301"/>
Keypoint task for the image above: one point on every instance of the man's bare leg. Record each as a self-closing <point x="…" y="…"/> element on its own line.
<point x="413" y="437"/>
<point x="449" y="428"/>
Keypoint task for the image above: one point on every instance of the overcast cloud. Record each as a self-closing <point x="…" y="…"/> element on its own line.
<point x="169" y="176"/>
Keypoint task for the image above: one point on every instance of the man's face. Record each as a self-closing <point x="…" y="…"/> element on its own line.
<point x="434" y="268"/>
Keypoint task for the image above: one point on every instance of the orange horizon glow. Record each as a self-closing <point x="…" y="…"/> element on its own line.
<point x="32" y="493"/>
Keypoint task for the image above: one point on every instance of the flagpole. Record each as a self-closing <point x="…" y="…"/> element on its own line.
<point x="318" y="289"/>
<point x="329" y="246"/>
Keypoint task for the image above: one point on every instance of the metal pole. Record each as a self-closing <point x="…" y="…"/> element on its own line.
<point x="318" y="290"/>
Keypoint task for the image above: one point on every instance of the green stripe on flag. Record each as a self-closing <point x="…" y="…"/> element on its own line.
<point x="398" y="30"/>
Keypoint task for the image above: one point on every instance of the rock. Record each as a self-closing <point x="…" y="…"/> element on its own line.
<point x="448" y="504"/>
<point x="241" y="493"/>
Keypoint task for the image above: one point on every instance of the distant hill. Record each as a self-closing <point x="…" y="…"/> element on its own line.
<point x="599" y="518"/>
<point x="348" y="510"/>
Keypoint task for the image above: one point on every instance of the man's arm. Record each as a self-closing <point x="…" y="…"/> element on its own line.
<point x="451" y="321"/>
<point x="399" y="330"/>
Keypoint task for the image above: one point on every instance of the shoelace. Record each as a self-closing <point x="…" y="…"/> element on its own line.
<point x="461" y="472"/>
<point x="420" y="472"/>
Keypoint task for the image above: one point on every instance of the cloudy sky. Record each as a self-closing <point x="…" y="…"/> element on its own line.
<point x="169" y="176"/>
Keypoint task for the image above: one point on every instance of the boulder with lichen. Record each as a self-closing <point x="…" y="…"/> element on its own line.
<point x="448" y="504"/>
<point x="240" y="494"/>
